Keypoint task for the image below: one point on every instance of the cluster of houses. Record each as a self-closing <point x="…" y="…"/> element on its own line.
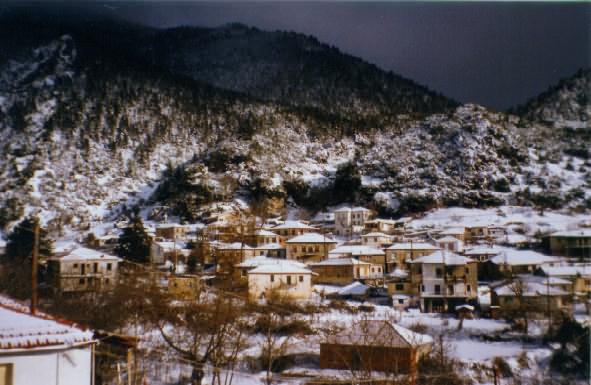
<point x="349" y="253"/>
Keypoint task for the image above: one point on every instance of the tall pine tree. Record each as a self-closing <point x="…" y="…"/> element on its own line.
<point x="19" y="247"/>
<point x="134" y="243"/>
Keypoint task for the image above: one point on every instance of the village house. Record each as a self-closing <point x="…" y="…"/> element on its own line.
<point x="283" y="278"/>
<point x="83" y="269"/>
<point x="361" y="252"/>
<point x="229" y="254"/>
<point x="271" y="250"/>
<point x="456" y="232"/>
<point x="513" y="261"/>
<point x="310" y="247"/>
<point x="401" y="288"/>
<point x="37" y="349"/>
<point x="349" y="221"/>
<point x="573" y="243"/>
<point x="444" y="280"/>
<point x="183" y="286"/>
<point x="373" y="345"/>
<point x="399" y="253"/>
<point x="170" y="231"/>
<point x="488" y="233"/>
<point x="387" y="226"/>
<point x="579" y="275"/>
<point x="538" y="294"/>
<point x="243" y="268"/>
<point x="290" y="229"/>
<point x="376" y="239"/>
<point x="163" y="251"/>
<point x="482" y="254"/>
<point x="450" y="243"/>
<point x="262" y="237"/>
<point x="342" y="271"/>
<point x="323" y="221"/>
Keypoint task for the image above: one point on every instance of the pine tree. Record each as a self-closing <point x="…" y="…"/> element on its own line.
<point x="134" y="243"/>
<point x="19" y="247"/>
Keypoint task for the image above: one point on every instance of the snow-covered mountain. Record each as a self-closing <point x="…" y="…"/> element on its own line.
<point x="86" y="129"/>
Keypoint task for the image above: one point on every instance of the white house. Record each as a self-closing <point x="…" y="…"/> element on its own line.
<point x="83" y="269"/>
<point x="376" y="239"/>
<point x="38" y="350"/>
<point x="450" y="243"/>
<point x="281" y="277"/>
<point x="350" y="221"/>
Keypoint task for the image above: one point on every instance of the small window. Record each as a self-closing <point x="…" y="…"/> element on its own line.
<point x="272" y="278"/>
<point x="399" y="286"/>
<point x="438" y="272"/>
<point x="81" y="281"/>
<point x="422" y="287"/>
<point x="109" y="266"/>
<point x="6" y="374"/>
<point x="467" y="270"/>
<point x="468" y="288"/>
<point x="289" y="279"/>
<point x="437" y="289"/>
<point x="75" y="266"/>
<point x="301" y="278"/>
<point x="450" y="289"/>
<point x="401" y="301"/>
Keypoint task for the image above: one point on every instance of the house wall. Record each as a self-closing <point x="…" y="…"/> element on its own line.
<point x="400" y="256"/>
<point x="305" y="251"/>
<point x="349" y="357"/>
<point x="259" y="284"/>
<point x="171" y="232"/>
<point x="571" y="246"/>
<point x="83" y="275"/>
<point x="66" y="367"/>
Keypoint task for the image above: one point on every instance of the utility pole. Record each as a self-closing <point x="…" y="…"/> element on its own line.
<point x="34" y="267"/>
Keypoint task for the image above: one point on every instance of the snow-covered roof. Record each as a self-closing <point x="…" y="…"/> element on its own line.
<point x="340" y="262"/>
<point x="521" y="257"/>
<point x="234" y="246"/>
<point x="359" y="208"/>
<point x="266" y="233"/>
<point x="465" y="307"/>
<point x="448" y="238"/>
<point x="375" y="234"/>
<point x="573" y="233"/>
<point x="446" y="257"/>
<point x="380" y="333"/>
<point x="355" y="288"/>
<point x="356" y="250"/>
<point x="83" y="253"/>
<point x="262" y="260"/>
<point x="567" y="271"/>
<point x="269" y="246"/>
<point x="282" y="266"/>
<point x="21" y="331"/>
<point x="399" y="273"/>
<point x="453" y="231"/>
<point x="311" y="238"/>
<point x="168" y="225"/>
<point x="482" y="251"/>
<point x="413" y="246"/>
<point x="529" y="286"/>
<point x="292" y="225"/>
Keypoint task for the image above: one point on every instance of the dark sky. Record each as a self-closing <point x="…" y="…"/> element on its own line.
<point x="495" y="54"/>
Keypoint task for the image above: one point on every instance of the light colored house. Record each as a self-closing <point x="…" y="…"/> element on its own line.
<point x="444" y="280"/>
<point x="244" y="267"/>
<point x="456" y="232"/>
<point x="376" y="239"/>
<point x="282" y="278"/>
<point x="170" y="231"/>
<point x="387" y="226"/>
<point x="513" y="261"/>
<point x="262" y="237"/>
<point x="184" y="286"/>
<point x="290" y="229"/>
<point x="310" y="247"/>
<point x="482" y="254"/>
<point x="400" y="253"/>
<point x="37" y="349"/>
<point x="450" y="243"/>
<point x="578" y="274"/>
<point x="343" y="271"/>
<point x="272" y="250"/>
<point x="83" y="269"/>
<point x="401" y="288"/>
<point x="229" y="254"/>
<point x="573" y="243"/>
<point x="163" y="251"/>
<point x="350" y="221"/>
<point x="361" y="252"/>
<point x="538" y="294"/>
<point x="370" y="345"/>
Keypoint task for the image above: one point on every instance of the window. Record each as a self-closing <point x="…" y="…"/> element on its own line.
<point x="272" y="278"/>
<point x="422" y="287"/>
<point x="401" y="301"/>
<point x="81" y="281"/>
<point x="75" y="266"/>
<point x="243" y="273"/>
<point x="5" y="374"/>
<point x="109" y="266"/>
<point x="437" y="289"/>
<point x="289" y="279"/>
<point x="450" y="289"/>
<point x="467" y="270"/>
<point x="468" y="288"/>
<point x="438" y="272"/>
<point x="317" y="248"/>
<point x="301" y="278"/>
<point x="399" y="286"/>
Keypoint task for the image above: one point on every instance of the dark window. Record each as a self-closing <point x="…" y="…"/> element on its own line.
<point x="437" y="289"/>
<point x="109" y="267"/>
<point x="438" y="272"/>
<point x="450" y="289"/>
<point x="468" y="288"/>
<point x="401" y="301"/>
<point x="301" y="278"/>
<point x="75" y="266"/>
<point x="467" y="270"/>
<point x="272" y="278"/>
<point x="81" y="281"/>
<point x="399" y="286"/>
<point x="289" y="279"/>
